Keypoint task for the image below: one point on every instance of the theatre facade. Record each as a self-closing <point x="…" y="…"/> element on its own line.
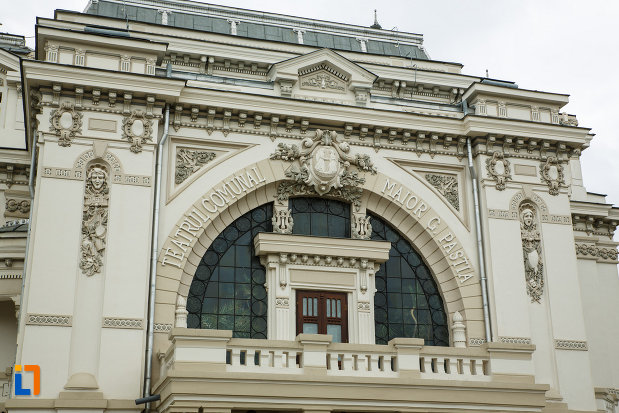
<point x="244" y="211"/>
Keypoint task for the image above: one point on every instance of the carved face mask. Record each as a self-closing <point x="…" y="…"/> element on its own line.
<point x="97" y="177"/>
<point x="527" y="217"/>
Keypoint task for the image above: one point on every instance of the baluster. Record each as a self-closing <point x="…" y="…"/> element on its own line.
<point x="427" y="364"/>
<point x="235" y="360"/>
<point x="347" y="362"/>
<point x="466" y="367"/>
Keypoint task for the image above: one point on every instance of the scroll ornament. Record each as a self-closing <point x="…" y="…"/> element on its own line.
<point x="532" y="252"/>
<point x="137" y="130"/>
<point x="362" y="228"/>
<point x="94" y="220"/>
<point x="552" y="175"/>
<point x="322" y="167"/>
<point x="498" y="169"/>
<point x="189" y="161"/>
<point x="282" y="221"/>
<point x="65" y="122"/>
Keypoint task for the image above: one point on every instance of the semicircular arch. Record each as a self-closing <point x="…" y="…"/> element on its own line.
<point x="219" y="207"/>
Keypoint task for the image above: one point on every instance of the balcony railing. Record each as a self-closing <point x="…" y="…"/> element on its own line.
<point x="400" y="358"/>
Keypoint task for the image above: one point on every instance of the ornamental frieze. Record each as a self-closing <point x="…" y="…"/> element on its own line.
<point x="321" y="166"/>
<point x="596" y="252"/>
<point x="65" y="122"/>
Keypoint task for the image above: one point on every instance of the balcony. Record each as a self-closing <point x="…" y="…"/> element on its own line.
<point x="210" y="370"/>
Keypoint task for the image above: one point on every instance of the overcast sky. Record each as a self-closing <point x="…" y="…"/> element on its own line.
<point x="567" y="46"/>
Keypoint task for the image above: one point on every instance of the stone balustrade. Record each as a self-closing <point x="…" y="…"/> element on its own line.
<point x="314" y="354"/>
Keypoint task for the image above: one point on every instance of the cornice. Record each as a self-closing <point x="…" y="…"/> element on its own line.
<point x="36" y="72"/>
<point x="477" y="88"/>
<point x="9" y="61"/>
<point x="79" y="36"/>
<point x="475" y="125"/>
<point x="196" y="93"/>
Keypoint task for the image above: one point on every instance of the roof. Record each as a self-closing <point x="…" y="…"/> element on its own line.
<point x="14" y="43"/>
<point x="264" y="26"/>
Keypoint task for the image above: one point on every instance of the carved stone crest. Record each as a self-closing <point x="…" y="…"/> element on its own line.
<point x="322" y="166"/>
<point x="137" y="128"/>
<point x="65" y="122"/>
<point x="552" y="175"/>
<point x="94" y="219"/>
<point x="498" y="169"/>
<point x="189" y="161"/>
<point x="531" y="251"/>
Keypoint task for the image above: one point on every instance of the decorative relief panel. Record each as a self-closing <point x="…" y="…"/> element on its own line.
<point x="131" y="323"/>
<point x="323" y="81"/>
<point x="162" y="328"/>
<point x="532" y="251"/>
<point x="321" y="167"/>
<point x="49" y="320"/>
<point x="446" y="185"/>
<point x="571" y="345"/>
<point x="94" y="219"/>
<point x="476" y="341"/>
<point x="515" y="340"/>
<point x="65" y="122"/>
<point x="17" y="207"/>
<point x="513" y="212"/>
<point x="137" y="129"/>
<point x="189" y="161"/>
<point x="596" y="252"/>
<point x="552" y="174"/>
<point x="498" y="168"/>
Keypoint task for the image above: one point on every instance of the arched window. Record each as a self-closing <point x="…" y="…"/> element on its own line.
<point x="227" y="291"/>
<point x="407" y="302"/>
<point x="320" y="217"/>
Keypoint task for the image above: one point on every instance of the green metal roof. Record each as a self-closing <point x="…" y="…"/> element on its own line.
<point x="200" y="19"/>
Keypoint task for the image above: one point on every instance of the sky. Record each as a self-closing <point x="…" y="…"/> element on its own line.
<point x="567" y="46"/>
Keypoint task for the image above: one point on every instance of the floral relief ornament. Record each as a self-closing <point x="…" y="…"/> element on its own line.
<point x="94" y="219"/>
<point x="137" y="130"/>
<point x="532" y="252"/>
<point x="498" y="169"/>
<point x="321" y="167"/>
<point x="65" y="122"/>
<point x="552" y="175"/>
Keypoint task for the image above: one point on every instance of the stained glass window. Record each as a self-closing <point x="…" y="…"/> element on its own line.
<point x="320" y="217"/>
<point x="227" y="292"/>
<point x="407" y="302"/>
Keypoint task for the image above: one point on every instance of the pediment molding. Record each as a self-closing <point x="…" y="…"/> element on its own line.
<point x="324" y="59"/>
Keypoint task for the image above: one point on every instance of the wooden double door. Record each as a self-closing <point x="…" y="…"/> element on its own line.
<point x="323" y="312"/>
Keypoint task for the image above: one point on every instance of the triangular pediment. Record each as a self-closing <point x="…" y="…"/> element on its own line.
<point x="325" y="61"/>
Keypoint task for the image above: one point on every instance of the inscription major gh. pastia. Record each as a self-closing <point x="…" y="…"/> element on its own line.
<point x="445" y="238"/>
